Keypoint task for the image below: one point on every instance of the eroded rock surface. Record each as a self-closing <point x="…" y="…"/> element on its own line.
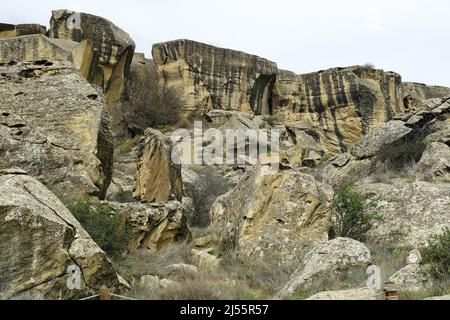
<point x="114" y="47"/>
<point x="155" y="225"/>
<point x="328" y="259"/>
<point x="42" y="244"/>
<point x="54" y="125"/>
<point x="276" y="216"/>
<point x="158" y="178"/>
<point x="211" y="77"/>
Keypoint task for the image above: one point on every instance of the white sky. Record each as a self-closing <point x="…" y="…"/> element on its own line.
<point x="411" y="37"/>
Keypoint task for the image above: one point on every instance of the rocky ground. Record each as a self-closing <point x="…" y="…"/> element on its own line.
<point x="90" y="195"/>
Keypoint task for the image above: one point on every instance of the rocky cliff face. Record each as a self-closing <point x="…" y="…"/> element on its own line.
<point x="339" y="105"/>
<point x="12" y="31"/>
<point x="53" y="124"/>
<point x="114" y="47"/>
<point x="211" y="77"/>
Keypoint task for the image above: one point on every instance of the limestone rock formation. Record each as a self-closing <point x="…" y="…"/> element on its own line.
<point x="53" y="124"/>
<point x="411" y="212"/>
<point x="113" y="46"/>
<point x="413" y="277"/>
<point x="420" y="136"/>
<point x="155" y="225"/>
<point x="211" y="77"/>
<point x="340" y="105"/>
<point x="43" y="50"/>
<point x="158" y="178"/>
<point x="325" y="260"/>
<point x="42" y="246"/>
<point x="415" y="94"/>
<point x="275" y="216"/>
<point x="12" y="31"/>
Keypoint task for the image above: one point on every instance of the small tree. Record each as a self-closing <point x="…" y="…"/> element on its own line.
<point x="437" y="254"/>
<point x="349" y="218"/>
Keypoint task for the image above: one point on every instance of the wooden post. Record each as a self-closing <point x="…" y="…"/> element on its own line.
<point x="104" y="293"/>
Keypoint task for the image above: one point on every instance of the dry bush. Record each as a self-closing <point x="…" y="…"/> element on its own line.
<point x="144" y="262"/>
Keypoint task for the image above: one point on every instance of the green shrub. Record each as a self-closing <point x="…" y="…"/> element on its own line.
<point x="437" y="254"/>
<point x="350" y="220"/>
<point x="108" y="231"/>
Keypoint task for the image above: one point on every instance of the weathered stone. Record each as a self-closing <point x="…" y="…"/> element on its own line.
<point x="153" y="226"/>
<point x="349" y="294"/>
<point x="435" y="163"/>
<point x="340" y="104"/>
<point x="413" y="277"/>
<point x="204" y="260"/>
<point x="327" y="259"/>
<point x="158" y="178"/>
<point x="53" y="124"/>
<point x="41" y="243"/>
<point x="411" y="212"/>
<point x="384" y="135"/>
<point x="275" y="216"/>
<point x="415" y="94"/>
<point x="12" y="31"/>
<point x="210" y="77"/>
<point x="114" y="46"/>
<point x="43" y="50"/>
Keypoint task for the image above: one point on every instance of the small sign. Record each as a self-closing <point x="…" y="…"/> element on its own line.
<point x="414" y="257"/>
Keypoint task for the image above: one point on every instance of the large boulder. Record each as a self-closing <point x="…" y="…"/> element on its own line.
<point x="325" y="260"/>
<point x="415" y="94"/>
<point x="158" y="178"/>
<point x="43" y="50"/>
<point x="340" y="105"/>
<point x="153" y="226"/>
<point x="114" y="46"/>
<point x="413" y="278"/>
<point x="12" y="31"/>
<point x="43" y="248"/>
<point x="211" y="77"/>
<point x="274" y="216"/>
<point x="53" y="124"/>
<point x="411" y="212"/>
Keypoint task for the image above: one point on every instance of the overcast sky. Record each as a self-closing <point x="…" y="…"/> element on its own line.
<point x="411" y="37"/>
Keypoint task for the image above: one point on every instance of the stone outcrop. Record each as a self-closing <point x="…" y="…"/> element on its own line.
<point x="42" y="49"/>
<point x="113" y="47"/>
<point x="327" y="260"/>
<point x="53" y="124"/>
<point x="274" y="217"/>
<point x="12" y="31"/>
<point x="415" y="94"/>
<point x="42" y="246"/>
<point x="411" y="212"/>
<point x="339" y="105"/>
<point x="413" y="277"/>
<point x="211" y="77"/>
<point x="419" y="136"/>
<point x="158" y="178"/>
<point x="153" y="226"/>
